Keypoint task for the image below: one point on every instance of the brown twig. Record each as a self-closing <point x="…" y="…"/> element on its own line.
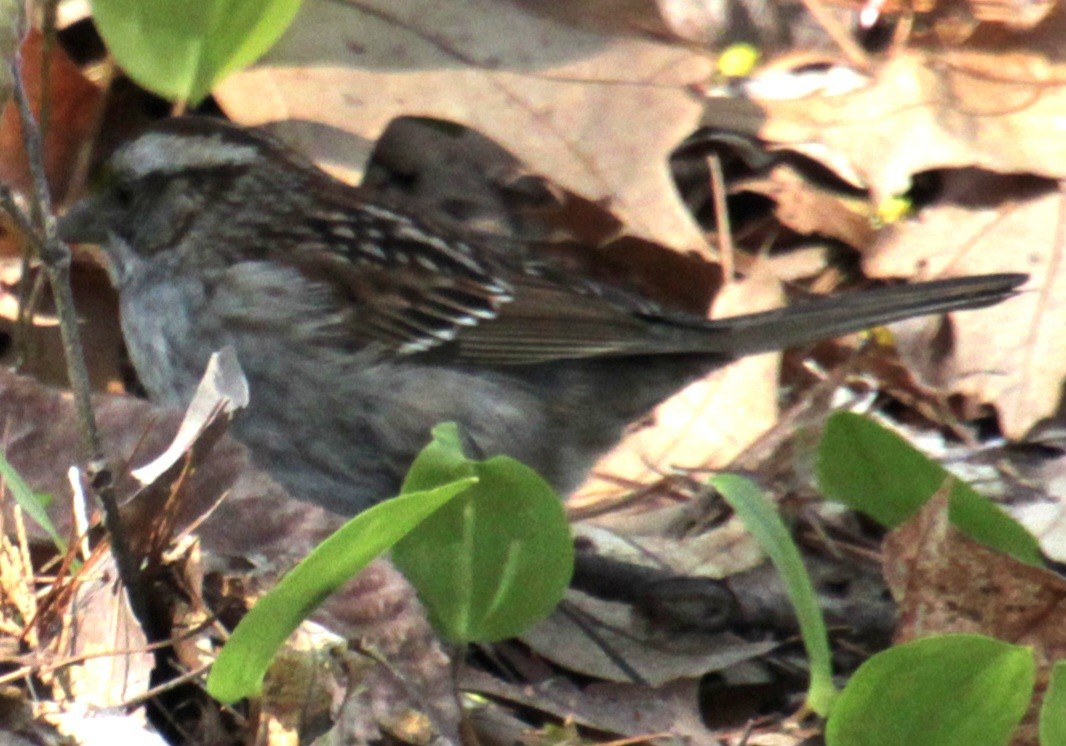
<point x="52" y="666"/>
<point x="55" y="257"/>
<point x="852" y="50"/>
<point x="28" y="287"/>
<point x="721" y="216"/>
<point x="150" y="694"/>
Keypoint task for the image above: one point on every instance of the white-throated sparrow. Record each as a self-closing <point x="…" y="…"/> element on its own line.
<point x="360" y="327"/>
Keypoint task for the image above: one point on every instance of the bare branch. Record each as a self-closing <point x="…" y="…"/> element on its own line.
<point x="55" y="256"/>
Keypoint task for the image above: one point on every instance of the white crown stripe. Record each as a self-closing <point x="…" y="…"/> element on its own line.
<point x="166" y="155"/>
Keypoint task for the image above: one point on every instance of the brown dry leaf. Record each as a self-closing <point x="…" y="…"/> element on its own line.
<point x="961" y="111"/>
<point x="958" y="21"/>
<point x="925" y="111"/>
<point x="657" y="655"/>
<point x="299" y="687"/>
<point x="810" y="209"/>
<point x="661" y="651"/>
<point x="73" y="101"/>
<point x="710" y="422"/>
<point x="1014" y="15"/>
<point x="599" y="113"/>
<point x="946" y="582"/>
<point x="708" y="23"/>
<point x="605" y="16"/>
<point x="97" y="309"/>
<point x="80" y="725"/>
<point x="624" y="709"/>
<point x="1013" y="354"/>
<point x="726" y="549"/>
<point x="99" y="624"/>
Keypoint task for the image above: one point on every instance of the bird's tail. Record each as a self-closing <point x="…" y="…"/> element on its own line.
<point x="828" y="317"/>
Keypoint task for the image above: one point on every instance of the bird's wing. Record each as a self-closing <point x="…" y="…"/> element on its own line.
<point x="410" y="290"/>
<point x="555" y="319"/>
<point x="516" y="319"/>
<point x="413" y="290"/>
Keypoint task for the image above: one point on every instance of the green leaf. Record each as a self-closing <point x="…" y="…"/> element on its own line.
<point x="497" y="558"/>
<point x="244" y="660"/>
<point x="951" y="690"/>
<point x="1053" y="709"/>
<point x="34" y="504"/>
<point x="761" y="519"/>
<point x="440" y="462"/>
<point x="181" y="48"/>
<point x="873" y="470"/>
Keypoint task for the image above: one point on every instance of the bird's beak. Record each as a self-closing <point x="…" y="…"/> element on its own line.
<point x="84" y="222"/>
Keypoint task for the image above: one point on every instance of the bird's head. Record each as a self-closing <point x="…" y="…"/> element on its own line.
<point x="179" y="178"/>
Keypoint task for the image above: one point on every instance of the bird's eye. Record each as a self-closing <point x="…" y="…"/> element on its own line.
<point x="124" y="194"/>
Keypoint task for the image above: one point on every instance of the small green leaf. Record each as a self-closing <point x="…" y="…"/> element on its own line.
<point x="497" y="558"/>
<point x="440" y="462"/>
<point x="34" y="504"/>
<point x="244" y="660"/>
<point x="762" y="520"/>
<point x="873" y="470"/>
<point x="180" y="48"/>
<point x="1053" y="709"/>
<point x="950" y="690"/>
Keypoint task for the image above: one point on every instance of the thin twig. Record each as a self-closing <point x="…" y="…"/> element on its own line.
<point x="578" y="618"/>
<point x="31" y="286"/>
<point x="48" y="45"/>
<point x="721" y="218"/>
<point x="32" y="283"/>
<point x="150" y="694"/>
<point x="55" y="256"/>
<point x="22" y="321"/>
<point x="53" y="666"/>
<point x="851" y="48"/>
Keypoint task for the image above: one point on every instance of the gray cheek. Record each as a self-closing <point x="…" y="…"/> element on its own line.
<point x="165" y="346"/>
